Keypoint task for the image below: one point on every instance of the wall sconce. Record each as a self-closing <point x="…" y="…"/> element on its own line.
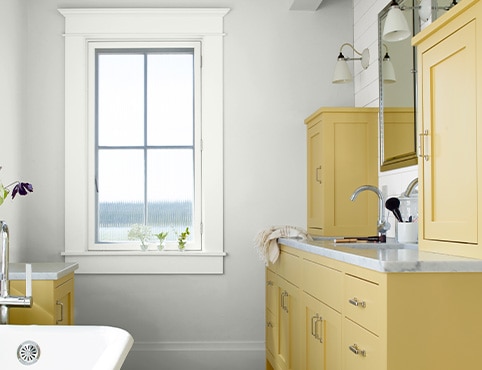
<point x="388" y="72"/>
<point x="396" y="26"/>
<point x="342" y="73"/>
<point x="425" y="9"/>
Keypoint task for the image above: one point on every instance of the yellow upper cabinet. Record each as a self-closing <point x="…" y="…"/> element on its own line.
<point x="450" y="129"/>
<point x="342" y="155"/>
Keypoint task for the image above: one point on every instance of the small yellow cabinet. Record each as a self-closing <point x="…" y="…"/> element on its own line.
<point x="342" y="154"/>
<point x="53" y="302"/>
<point x="355" y="318"/>
<point x="52" y="293"/>
<point x="450" y="129"/>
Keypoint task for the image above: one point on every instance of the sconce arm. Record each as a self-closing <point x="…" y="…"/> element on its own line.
<point x="364" y="55"/>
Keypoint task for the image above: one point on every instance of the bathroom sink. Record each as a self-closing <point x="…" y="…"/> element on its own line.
<point x="362" y="244"/>
<point x="57" y="347"/>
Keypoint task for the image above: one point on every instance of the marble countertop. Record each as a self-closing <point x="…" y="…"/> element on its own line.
<point x="389" y="257"/>
<point x="42" y="271"/>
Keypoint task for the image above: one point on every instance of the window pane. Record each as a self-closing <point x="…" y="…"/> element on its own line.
<point x="120" y="99"/>
<point x="170" y="190"/>
<point x="170" y="99"/>
<point x="145" y="177"/>
<point x="120" y="193"/>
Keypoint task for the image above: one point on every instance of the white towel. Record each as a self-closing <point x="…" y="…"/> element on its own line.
<point x="266" y="242"/>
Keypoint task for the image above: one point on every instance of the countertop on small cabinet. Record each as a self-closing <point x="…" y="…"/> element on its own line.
<point x="42" y="270"/>
<point x="389" y="257"/>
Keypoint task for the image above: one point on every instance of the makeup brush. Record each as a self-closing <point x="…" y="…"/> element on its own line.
<point x="393" y="204"/>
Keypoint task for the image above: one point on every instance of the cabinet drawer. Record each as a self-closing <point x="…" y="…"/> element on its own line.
<point x="362" y="302"/>
<point x="361" y="349"/>
<point x="323" y="283"/>
<point x="289" y="268"/>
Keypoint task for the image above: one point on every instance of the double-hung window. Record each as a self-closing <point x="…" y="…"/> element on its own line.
<point x="144" y="139"/>
<point x="147" y="146"/>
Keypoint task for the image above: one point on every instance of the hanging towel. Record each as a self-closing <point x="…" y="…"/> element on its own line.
<point x="266" y="242"/>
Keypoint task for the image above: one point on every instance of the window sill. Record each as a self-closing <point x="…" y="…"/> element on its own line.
<point x="150" y="262"/>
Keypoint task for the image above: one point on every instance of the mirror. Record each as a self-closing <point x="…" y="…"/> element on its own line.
<point x="398" y="99"/>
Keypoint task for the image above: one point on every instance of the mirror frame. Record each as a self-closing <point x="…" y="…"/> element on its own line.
<point x="410" y="158"/>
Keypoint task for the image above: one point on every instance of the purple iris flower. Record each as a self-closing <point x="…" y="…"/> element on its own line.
<point x="22" y="188"/>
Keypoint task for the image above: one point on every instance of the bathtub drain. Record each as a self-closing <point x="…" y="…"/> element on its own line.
<point x="28" y="353"/>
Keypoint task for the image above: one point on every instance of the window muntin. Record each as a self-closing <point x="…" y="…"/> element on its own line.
<point x="147" y="163"/>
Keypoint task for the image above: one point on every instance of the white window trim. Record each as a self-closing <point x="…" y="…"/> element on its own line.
<point x="151" y="24"/>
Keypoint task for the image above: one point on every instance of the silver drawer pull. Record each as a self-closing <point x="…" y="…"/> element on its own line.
<point x="357" y="303"/>
<point x="423" y="136"/>
<point x="318" y="180"/>
<point x="357" y="351"/>
<point x="61" y="312"/>
<point x="314" y="319"/>
<point x="284" y="294"/>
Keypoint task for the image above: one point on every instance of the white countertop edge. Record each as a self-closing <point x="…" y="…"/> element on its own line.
<point x="42" y="270"/>
<point x="403" y="259"/>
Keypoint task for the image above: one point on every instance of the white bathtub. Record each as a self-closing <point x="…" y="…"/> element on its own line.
<point x="63" y="347"/>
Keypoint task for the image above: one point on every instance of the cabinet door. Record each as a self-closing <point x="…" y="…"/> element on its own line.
<point x="449" y="138"/>
<point x="64" y="303"/>
<point x="288" y="357"/>
<point x="342" y="155"/>
<point x="352" y="149"/>
<point x="315" y="183"/>
<point x="272" y="315"/>
<point x="321" y="348"/>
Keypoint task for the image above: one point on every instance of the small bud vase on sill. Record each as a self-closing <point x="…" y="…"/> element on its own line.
<point x="141" y="233"/>
<point x="181" y="239"/>
<point x="162" y="239"/>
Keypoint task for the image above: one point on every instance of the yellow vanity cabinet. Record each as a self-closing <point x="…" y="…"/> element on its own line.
<point x="450" y="129"/>
<point x="352" y="317"/>
<point x="53" y="301"/>
<point x="342" y="155"/>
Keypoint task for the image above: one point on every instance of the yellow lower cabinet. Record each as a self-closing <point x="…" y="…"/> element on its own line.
<point x="321" y="346"/>
<point x="379" y="321"/>
<point x="53" y="302"/>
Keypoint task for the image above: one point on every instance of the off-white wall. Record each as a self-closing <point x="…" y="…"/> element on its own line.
<point x="13" y="36"/>
<point x="365" y="29"/>
<point x="278" y="69"/>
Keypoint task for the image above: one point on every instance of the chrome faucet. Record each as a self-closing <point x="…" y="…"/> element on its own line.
<point x="6" y="300"/>
<point x="382" y="224"/>
<point x="410" y="187"/>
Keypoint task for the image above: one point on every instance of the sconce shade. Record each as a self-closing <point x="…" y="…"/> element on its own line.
<point x="342" y="73"/>
<point x="388" y="72"/>
<point x="396" y="26"/>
